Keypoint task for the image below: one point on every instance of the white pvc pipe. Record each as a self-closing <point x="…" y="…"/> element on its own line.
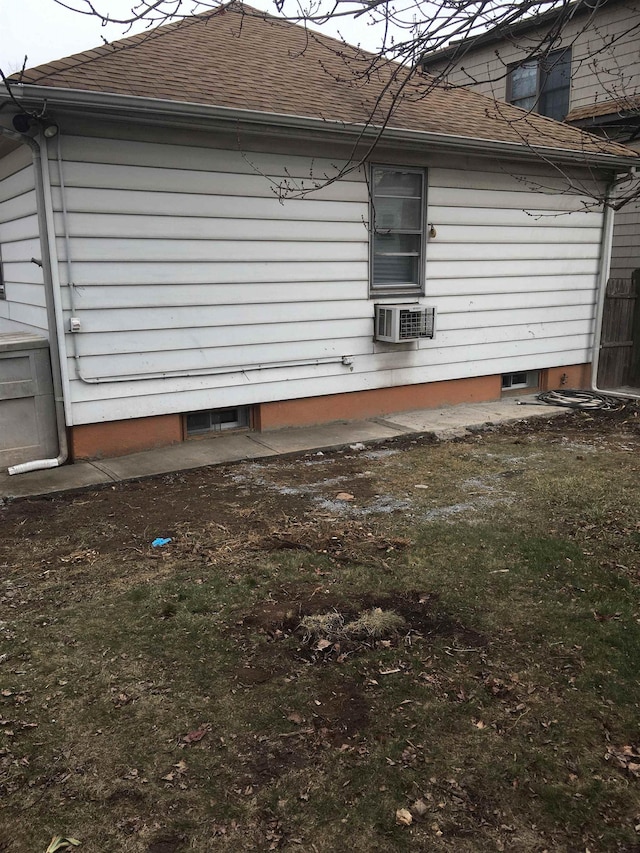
<point x="43" y="228"/>
<point x="37" y="465"/>
<point x="603" y="279"/>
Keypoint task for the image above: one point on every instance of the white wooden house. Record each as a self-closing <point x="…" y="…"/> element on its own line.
<point x="198" y="223"/>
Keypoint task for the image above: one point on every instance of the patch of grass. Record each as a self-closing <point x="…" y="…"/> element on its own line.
<point x="484" y="647"/>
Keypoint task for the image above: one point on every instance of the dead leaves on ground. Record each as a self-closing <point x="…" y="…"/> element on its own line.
<point x="196" y="735"/>
<point x="341" y="541"/>
<point x="625" y="757"/>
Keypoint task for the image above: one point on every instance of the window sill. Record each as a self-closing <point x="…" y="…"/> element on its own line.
<point x="396" y="294"/>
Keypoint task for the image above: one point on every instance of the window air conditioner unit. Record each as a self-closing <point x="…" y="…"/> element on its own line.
<point x="398" y="323"/>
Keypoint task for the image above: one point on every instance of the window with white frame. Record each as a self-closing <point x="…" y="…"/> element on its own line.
<point x="542" y="84"/>
<point x="398" y="206"/>
<point x="513" y="381"/>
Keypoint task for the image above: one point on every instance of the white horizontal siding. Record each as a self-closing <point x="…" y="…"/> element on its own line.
<point x="208" y="228"/>
<point x="546" y="222"/>
<point x="99" y="200"/>
<point x="130" y="274"/>
<point x="128" y="251"/>
<point x="225" y="278"/>
<point x="497" y="269"/>
<point x="450" y="349"/>
<point x="181" y="180"/>
<point x="24" y="305"/>
<point x="478" y="327"/>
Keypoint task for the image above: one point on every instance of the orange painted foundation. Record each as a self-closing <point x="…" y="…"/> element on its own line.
<point x="118" y="438"/>
<point x="376" y="402"/>
<point x="576" y="376"/>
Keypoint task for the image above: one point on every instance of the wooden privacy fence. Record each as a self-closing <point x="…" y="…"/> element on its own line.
<point x="619" y="363"/>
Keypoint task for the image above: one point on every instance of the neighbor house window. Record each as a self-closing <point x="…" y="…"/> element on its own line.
<point x="542" y="84"/>
<point x="2" y="290"/>
<point x="398" y="198"/>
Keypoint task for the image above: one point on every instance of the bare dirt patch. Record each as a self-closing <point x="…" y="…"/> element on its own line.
<point x="160" y="699"/>
<point x="422" y="621"/>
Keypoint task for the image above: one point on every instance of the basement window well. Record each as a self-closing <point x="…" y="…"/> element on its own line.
<point x="216" y="420"/>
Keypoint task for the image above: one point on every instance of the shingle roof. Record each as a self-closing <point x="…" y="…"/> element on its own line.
<point x="615" y="107"/>
<point x="239" y="57"/>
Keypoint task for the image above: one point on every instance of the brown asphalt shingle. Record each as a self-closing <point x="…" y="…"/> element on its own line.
<point x="242" y="58"/>
<point x="619" y="106"/>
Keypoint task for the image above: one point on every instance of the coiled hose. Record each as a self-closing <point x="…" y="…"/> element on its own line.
<point x="584" y="400"/>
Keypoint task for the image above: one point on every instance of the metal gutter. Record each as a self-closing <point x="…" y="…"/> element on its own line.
<point x="152" y="110"/>
<point x="52" y="318"/>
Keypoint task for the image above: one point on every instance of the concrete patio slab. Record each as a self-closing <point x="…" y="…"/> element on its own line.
<point x="469" y="415"/>
<point x="183" y="457"/>
<point x="82" y="475"/>
<point x="328" y="435"/>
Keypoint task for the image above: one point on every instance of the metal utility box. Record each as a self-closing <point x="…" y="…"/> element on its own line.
<point x="27" y="412"/>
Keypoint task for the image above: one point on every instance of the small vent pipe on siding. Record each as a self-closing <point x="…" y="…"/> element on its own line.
<point x="54" y="338"/>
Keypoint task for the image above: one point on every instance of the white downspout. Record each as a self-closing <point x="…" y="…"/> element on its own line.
<point x="52" y="318"/>
<point x="603" y="279"/>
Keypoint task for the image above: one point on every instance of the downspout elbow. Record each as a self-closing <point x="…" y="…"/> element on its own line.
<point x="39" y="464"/>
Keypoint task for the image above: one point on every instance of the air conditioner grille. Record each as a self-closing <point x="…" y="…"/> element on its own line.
<point x="415" y="324"/>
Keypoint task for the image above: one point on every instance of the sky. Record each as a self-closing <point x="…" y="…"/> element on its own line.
<point x="43" y="30"/>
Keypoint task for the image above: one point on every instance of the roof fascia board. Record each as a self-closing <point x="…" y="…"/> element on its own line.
<point x="202" y="116"/>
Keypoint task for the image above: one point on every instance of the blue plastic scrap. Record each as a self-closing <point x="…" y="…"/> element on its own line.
<point x="157" y="543"/>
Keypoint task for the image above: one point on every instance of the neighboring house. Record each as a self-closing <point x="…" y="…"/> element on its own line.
<point x="579" y="64"/>
<point x="204" y="247"/>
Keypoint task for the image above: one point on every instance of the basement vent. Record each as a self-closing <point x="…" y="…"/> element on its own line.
<point x="397" y="323"/>
<point x="216" y="420"/>
<point x="513" y="381"/>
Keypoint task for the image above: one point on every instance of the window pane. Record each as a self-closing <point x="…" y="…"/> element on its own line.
<point x="555" y="85"/>
<point x="397" y="183"/>
<point x="556" y="71"/>
<point x="385" y="244"/>
<point x="402" y="214"/>
<point x="198" y="422"/>
<point x="395" y="271"/>
<point x="554" y="104"/>
<point x="396" y="259"/>
<point x="525" y="103"/>
<point x="524" y="81"/>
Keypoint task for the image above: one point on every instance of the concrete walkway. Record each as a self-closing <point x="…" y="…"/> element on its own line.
<point x="447" y="422"/>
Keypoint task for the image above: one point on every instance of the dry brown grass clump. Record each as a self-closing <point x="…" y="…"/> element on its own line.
<point x="375" y="624"/>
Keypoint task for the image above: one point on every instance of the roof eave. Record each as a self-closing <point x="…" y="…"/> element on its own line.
<point x="157" y="110"/>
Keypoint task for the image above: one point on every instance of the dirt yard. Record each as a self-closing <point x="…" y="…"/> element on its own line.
<point x="411" y="646"/>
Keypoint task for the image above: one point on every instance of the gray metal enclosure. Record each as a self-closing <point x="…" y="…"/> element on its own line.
<point x="27" y="413"/>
